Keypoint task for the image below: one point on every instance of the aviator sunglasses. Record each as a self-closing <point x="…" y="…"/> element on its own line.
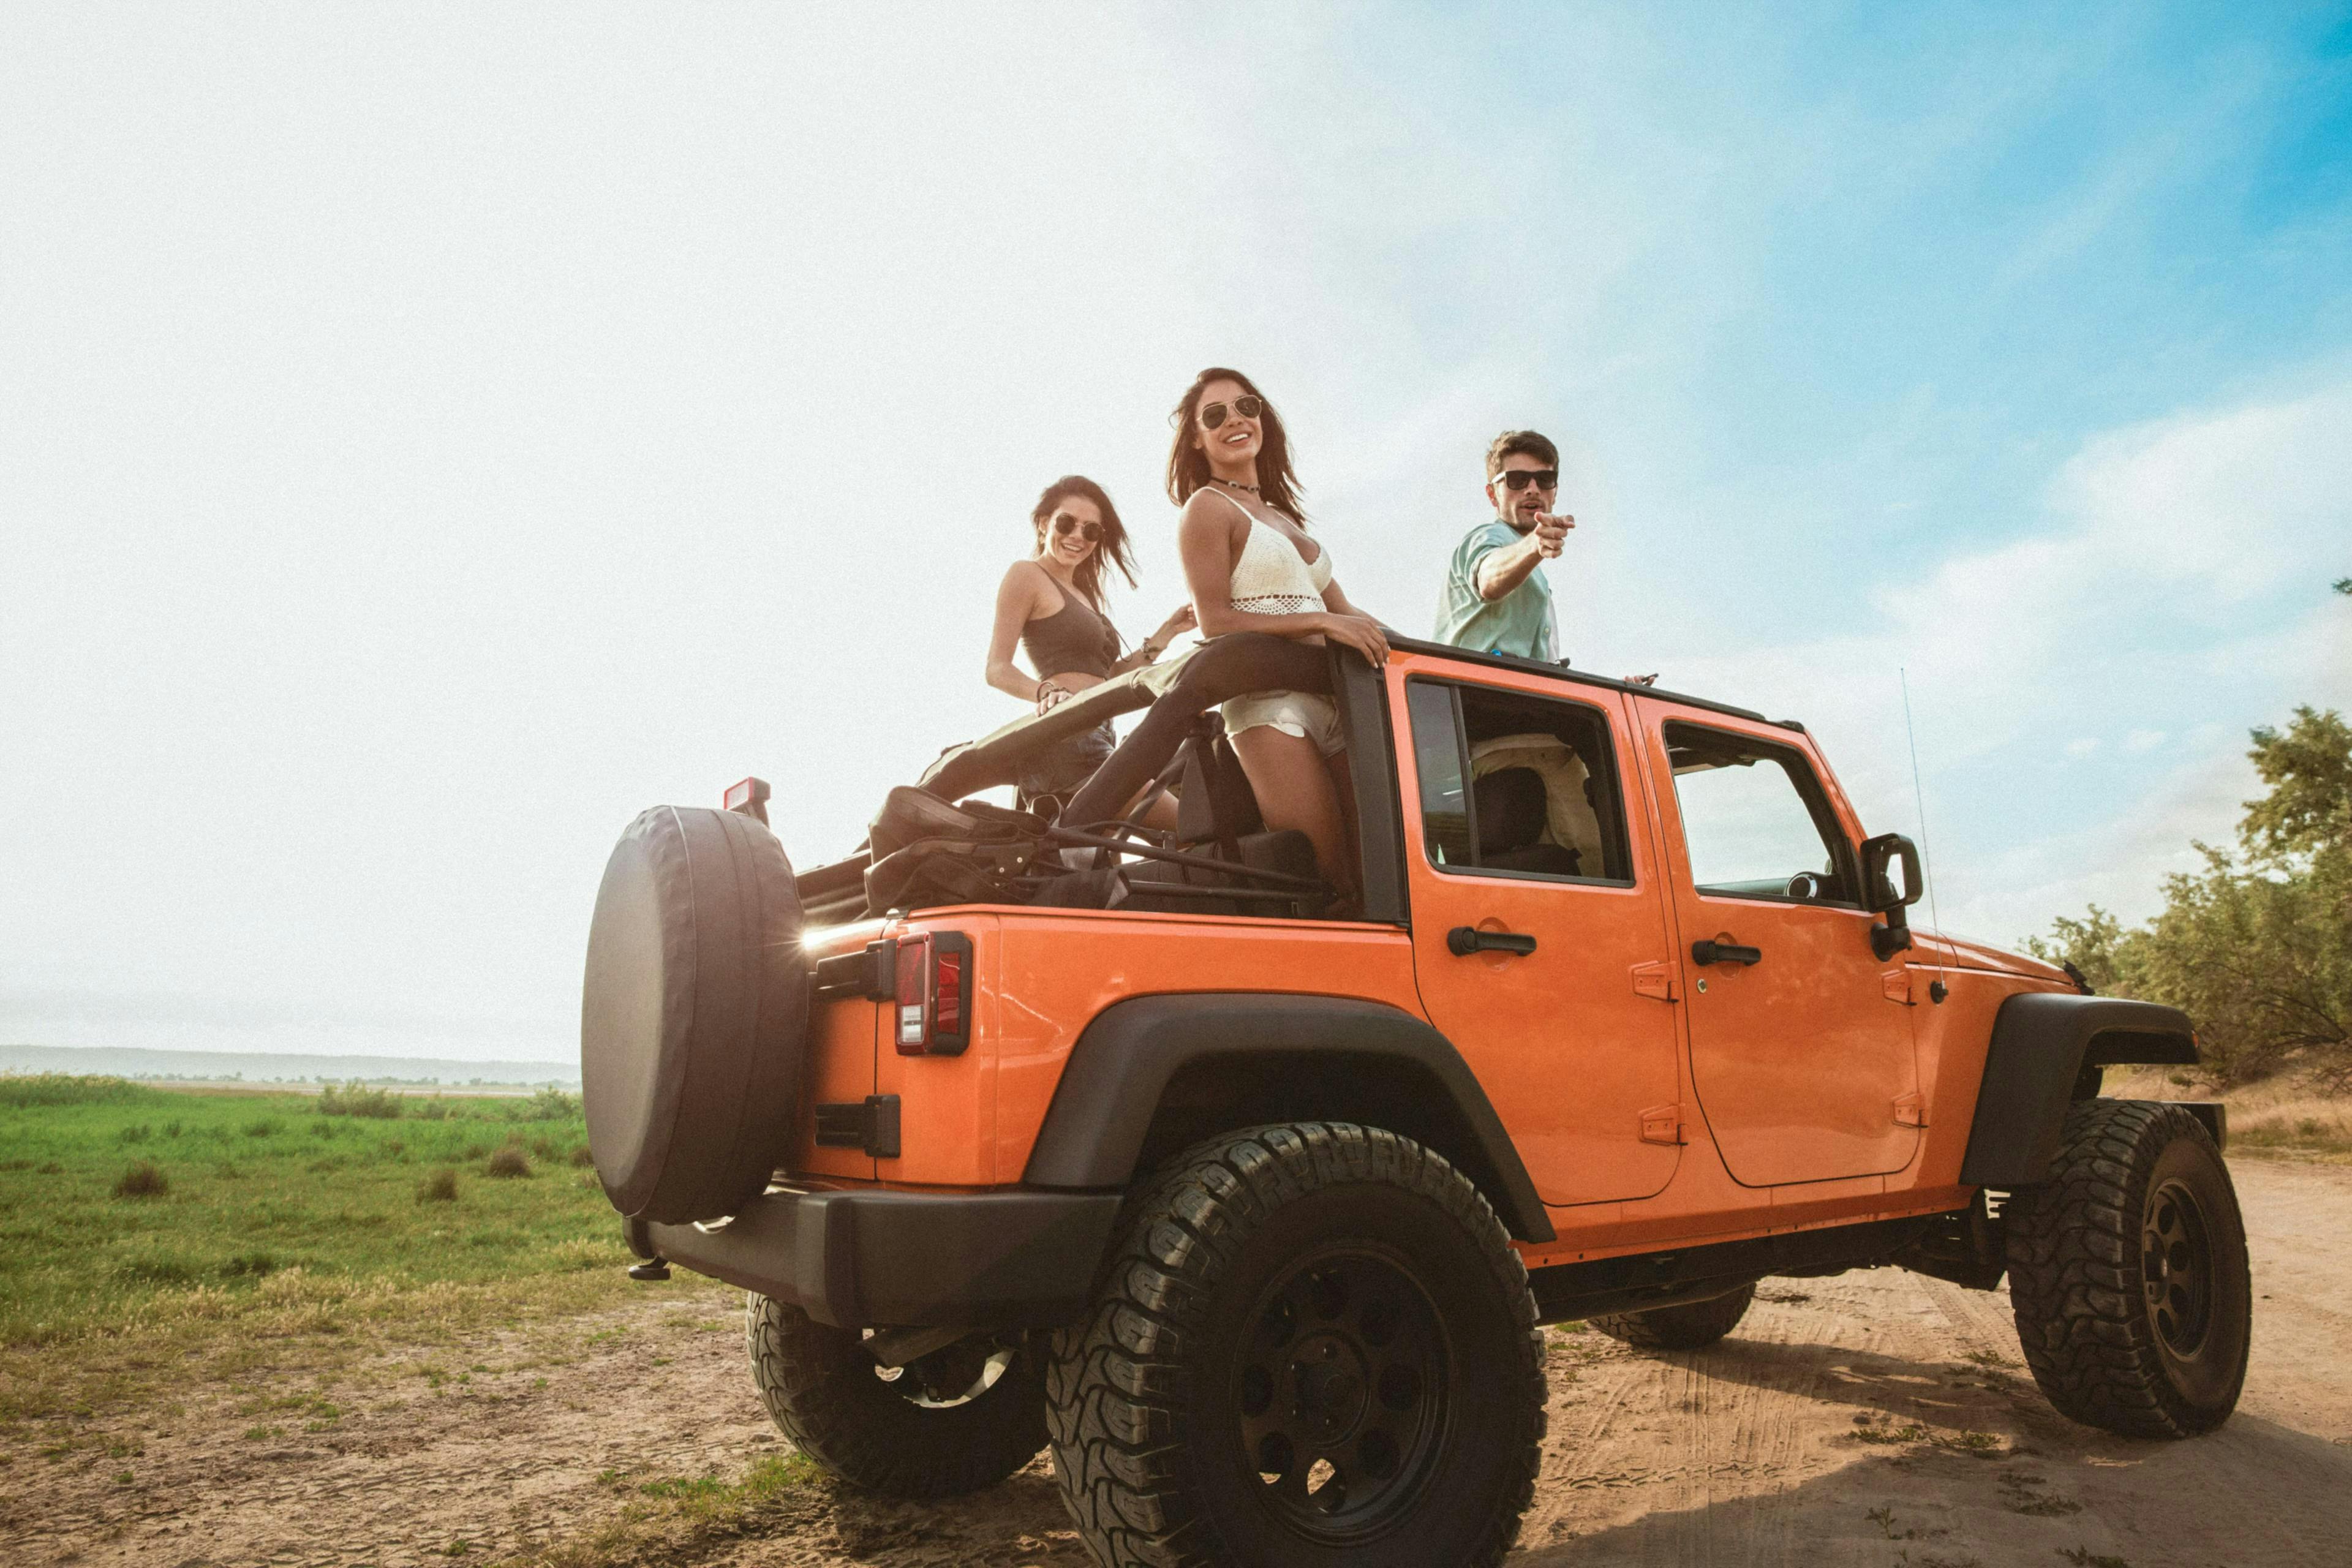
<point x="1214" y="414"/>
<point x="1065" y="525"/>
<point x="1517" y="480"/>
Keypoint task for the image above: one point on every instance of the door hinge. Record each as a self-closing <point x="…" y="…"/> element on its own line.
<point x="872" y="1127"/>
<point x="1654" y="979"/>
<point x="1910" y="1111"/>
<point x="1663" y="1124"/>
<point x="1898" y="986"/>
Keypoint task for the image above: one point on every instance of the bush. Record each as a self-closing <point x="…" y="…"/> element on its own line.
<point x="265" y="1128"/>
<point x="432" y="1110"/>
<point x="440" y="1188"/>
<point x="356" y="1099"/>
<point x="508" y="1161"/>
<point x="551" y="1104"/>
<point x="135" y="1134"/>
<point x="22" y="1092"/>
<point x="583" y="1156"/>
<point x="142" y="1180"/>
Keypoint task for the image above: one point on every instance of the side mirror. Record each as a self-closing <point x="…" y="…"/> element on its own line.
<point x="1883" y="859"/>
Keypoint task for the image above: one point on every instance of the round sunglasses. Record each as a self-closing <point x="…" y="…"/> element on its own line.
<point x="1214" y="414"/>
<point x="1065" y="525"/>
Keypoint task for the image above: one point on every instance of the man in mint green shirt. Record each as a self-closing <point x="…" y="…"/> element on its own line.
<point x="1496" y="599"/>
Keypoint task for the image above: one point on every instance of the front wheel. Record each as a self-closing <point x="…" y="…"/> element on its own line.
<point x="2127" y="1271"/>
<point x="959" y="1419"/>
<point x="1312" y="1344"/>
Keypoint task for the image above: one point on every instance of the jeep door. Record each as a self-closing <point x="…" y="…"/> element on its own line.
<point x="1800" y="1034"/>
<point x="1515" y="792"/>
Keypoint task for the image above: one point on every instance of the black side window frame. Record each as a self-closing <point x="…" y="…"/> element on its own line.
<point x="1799" y="769"/>
<point x="1609" y="776"/>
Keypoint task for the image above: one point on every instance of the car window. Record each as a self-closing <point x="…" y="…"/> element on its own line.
<point x="1516" y="786"/>
<point x="1754" y="822"/>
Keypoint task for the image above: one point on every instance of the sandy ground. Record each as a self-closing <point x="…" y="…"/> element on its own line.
<point x="1877" y="1418"/>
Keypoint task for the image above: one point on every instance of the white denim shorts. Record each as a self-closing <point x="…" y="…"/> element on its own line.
<point x="1305" y="714"/>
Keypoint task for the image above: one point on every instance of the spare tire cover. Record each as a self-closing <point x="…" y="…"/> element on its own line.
<point x="693" y="1016"/>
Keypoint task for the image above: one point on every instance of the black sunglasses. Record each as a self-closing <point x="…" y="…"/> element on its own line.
<point x="1065" y="524"/>
<point x="1214" y="414"/>
<point x="1517" y="480"/>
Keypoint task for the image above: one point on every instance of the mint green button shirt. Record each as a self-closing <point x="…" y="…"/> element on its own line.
<point x="1519" y="623"/>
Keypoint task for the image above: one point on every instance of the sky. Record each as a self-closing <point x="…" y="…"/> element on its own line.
<point x="429" y="436"/>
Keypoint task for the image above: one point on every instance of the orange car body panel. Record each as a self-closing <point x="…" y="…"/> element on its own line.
<point x="1819" y="1088"/>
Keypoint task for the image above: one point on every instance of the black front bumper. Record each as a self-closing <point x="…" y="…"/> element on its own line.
<point x="896" y="1259"/>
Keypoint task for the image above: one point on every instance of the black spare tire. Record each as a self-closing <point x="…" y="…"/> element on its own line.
<point x="693" y="1014"/>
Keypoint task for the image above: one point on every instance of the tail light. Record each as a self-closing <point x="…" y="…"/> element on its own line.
<point x="933" y="1016"/>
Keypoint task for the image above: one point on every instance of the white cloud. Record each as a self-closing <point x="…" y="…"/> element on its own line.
<point x="2177" y="584"/>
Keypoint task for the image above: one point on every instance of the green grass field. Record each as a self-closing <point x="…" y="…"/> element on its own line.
<point x="149" y="1237"/>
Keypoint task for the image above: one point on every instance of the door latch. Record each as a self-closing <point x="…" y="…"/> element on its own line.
<point x="1663" y="1124"/>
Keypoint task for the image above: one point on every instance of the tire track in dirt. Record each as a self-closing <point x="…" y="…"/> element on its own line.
<point x="1790" y="1446"/>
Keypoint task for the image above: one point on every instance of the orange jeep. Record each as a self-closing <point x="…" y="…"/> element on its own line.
<point x="1024" y="1133"/>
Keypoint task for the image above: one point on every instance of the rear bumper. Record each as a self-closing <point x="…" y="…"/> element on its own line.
<point x="874" y="1259"/>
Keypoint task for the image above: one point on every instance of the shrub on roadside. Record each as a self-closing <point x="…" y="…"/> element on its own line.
<point x="355" y="1098"/>
<point x="142" y="1180"/>
<point x="440" y="1188"/>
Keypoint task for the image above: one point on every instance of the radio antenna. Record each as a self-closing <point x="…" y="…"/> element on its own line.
<point x="1919" y="798"/>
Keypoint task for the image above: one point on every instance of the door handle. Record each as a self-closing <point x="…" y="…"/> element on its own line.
<point x="1725" y="952"/>
<point x="1464" y="941"/>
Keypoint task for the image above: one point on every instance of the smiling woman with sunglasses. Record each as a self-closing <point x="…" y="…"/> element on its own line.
<point x="1051" y="603"/>
<point x="1251" y="566"/>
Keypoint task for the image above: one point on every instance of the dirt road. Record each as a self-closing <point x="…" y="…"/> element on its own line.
<point x="1877" y="1418"/>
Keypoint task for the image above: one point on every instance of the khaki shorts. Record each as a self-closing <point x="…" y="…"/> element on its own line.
<point x="1301" y="714"/>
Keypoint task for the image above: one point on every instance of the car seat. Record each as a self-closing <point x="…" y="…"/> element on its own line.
<point x="1510" y="807"/>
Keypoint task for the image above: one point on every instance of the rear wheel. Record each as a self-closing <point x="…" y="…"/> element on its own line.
<point x="1692" y="1326"/>
<point x="959" y="1419"/>
<point x="2127" y="1271"/>
<point x="1312" y="1345"/>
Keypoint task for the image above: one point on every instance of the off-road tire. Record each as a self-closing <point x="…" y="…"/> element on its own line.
<point x="2127" y="1272"/>
<point x="824" y="1392"/>
<point x="1234" y="1268"/>
<point x="1690" y="1327"/>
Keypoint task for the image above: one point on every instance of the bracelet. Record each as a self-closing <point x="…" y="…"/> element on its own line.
<point x="1151" y="652"/>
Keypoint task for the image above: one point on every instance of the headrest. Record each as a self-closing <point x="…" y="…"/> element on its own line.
<point x="1511" y="806"/>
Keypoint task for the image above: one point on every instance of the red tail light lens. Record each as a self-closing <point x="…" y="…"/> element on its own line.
<point x="931" y="1016"/>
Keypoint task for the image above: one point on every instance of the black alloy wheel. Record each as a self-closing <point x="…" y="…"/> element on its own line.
<point x="2127" y="1271"/>
<point x="1344" y="1391"/>
<point x="2177" y="1269"/>
<point x="961" y="1418"/>
<point x="1311" y="1346"/>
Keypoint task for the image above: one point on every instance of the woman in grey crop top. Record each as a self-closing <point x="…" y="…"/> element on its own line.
<point x="1051" y="603"/>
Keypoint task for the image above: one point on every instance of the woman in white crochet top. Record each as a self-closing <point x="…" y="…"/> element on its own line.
<point x="1251" y="566"/>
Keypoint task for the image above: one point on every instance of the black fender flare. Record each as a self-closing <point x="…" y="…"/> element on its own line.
<point x="2041" y="1041"/>
<point x="1112" y="1084"/>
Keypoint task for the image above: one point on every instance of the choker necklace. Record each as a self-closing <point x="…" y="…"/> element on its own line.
<point x="1235" y="483"/>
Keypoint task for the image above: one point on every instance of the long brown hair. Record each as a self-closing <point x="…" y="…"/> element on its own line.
<point x="1111" y="546"/>
<point x="1188" y="464"/>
